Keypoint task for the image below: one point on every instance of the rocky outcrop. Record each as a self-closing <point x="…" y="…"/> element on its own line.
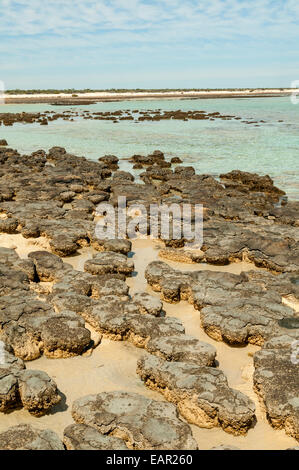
<point x="104" y="303"/>
<point x="121" y="320"/>
<point x="142" y="423"/>
<point x="116" y="245"/>
<point x="32" y="389"/>
<point x="109" y="263"/>
<point x="251" y="240"/>
<point x="148" y="304"/>
<point x="245" y="182"/>
<point x="276" y="381"/>
<point x="201" y="394"/>
<point x="237" y="309"/>
<point x="30" y="325"/>
<point x="26" y="437"/>
<point x="182" y="348"/>
<point x="82" y="437"/>
<point x="47" y="265"/>
<point x="245" y="218"/>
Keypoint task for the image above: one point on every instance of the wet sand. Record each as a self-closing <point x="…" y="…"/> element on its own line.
<point x="112" y="365"/>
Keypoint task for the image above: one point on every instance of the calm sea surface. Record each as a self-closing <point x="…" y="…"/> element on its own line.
<point x="211" y="147"/>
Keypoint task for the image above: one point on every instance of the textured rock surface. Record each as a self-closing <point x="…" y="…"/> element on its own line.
<point x="47" y="265"/>
<point x="117" y="245"/>
<point x="64" y="335"/>
<point x="82" y="437"/>
<point x="148" y="304"/>
<point x="237" y="309"/>
<point x="109" y="263"/>
<point x="182" y="348"/>
<point x="142" y="423"/>
<point x="60" y="201"/>
<point x="32" y="389"/>
<point x="201" y="394"/>
<point x="276" y="381"/>
<point x="38" y="392"/>
<point x="27" y="323"/>
<point x="26" y="437"/>
<point x="121" y="320"/>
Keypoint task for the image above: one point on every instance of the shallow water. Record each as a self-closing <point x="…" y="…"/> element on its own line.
<point x="211" y="146"/>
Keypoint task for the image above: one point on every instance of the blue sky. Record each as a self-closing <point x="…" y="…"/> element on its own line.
<point x="148" y="43"/>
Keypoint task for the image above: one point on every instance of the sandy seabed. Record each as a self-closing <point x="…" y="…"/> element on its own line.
<point x="112" y="365"/>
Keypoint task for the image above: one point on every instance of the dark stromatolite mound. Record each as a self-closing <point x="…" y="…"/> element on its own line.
<point x="32" y="389"/>
<point x="111" y="161"/>
<point x="3" y="142"/>
<point x="201" y="394"/>
<point x="234" y="308"/>
<point x="22" y="269"/>
<point x="142" y="423"/>
<point x="109" y="262"/>
<point x="32" y="328"/>
<point x="122" y="320"/>
<point x="118" y="245"/>
<point x="8" y="225"/>
<point x="153" y="115"/>
<point x="176" y="160"/>
<point x="64" y="335"/>
<point x="259" y="243"/>
<point x="38" y="392"/>
<point x="287" y="214"/>
<point x="276" y="381"/>
<point x="9" y="387"/>
<point x="82" y="437"/>
<point x="148" y="303"/>
<point x="104" y="303"/>
<point x="249" y="182"/>
<point x="35" y="207"/>
<point x="26" y="437"/>
<point x="95" y="287"/>
<point x="49" y="267"/>
<point x="28" y="324"/>
<point x="182" y="348"/>
<point x="46" y="264"/>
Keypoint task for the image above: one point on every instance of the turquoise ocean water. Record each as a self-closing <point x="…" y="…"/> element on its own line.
<point x="210" y="146"/>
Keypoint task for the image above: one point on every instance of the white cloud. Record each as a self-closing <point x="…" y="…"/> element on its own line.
<point x="213" y="19"/>
<point x="54" y="35"/>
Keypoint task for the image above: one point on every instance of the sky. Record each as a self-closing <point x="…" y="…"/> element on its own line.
<point x="148" y="43"/>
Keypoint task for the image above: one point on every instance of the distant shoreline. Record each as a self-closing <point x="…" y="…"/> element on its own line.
<point x="102" y="96"/>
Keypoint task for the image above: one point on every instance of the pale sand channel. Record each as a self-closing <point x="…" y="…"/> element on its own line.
<point x="112" y="365"/>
